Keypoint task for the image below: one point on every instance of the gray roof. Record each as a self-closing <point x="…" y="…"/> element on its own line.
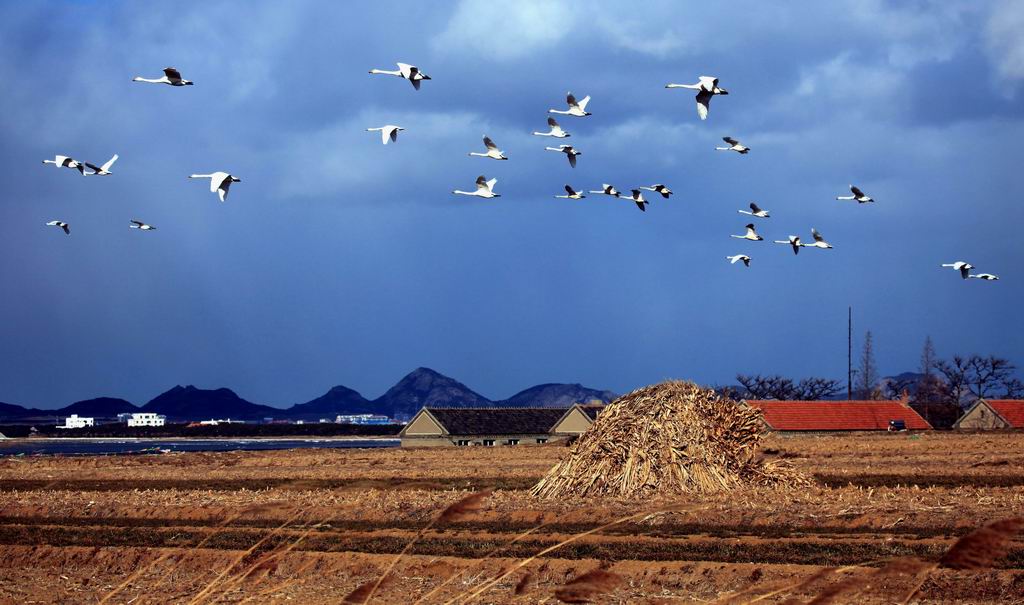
<point x="497" y="421"/>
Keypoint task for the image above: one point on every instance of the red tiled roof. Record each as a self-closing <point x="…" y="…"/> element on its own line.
<point x="1010" y="409"/>
<point x="837" y="415"/>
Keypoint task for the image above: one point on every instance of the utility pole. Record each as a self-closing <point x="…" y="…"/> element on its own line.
<point x="849" y="353"/>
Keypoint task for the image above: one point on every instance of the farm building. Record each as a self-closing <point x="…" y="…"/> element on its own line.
<point x="144" y="419"/>
<point x="834" y="416"/>
<point x="75" y="421"/>
<point x="496" y="426"/>
<point x="993" y="414"/>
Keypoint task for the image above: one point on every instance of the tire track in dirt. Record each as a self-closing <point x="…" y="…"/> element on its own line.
<point x="804" y="551"/>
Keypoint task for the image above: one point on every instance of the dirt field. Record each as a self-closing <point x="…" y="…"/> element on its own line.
<point x="309" y="526"/>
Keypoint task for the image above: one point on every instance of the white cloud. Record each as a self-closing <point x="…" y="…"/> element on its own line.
<point x="512" y="30"/>
<point x="1004" y="39"/>
<point x="505" y="30"/>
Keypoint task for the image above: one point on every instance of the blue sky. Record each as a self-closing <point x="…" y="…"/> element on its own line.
<point x="338" y="260"/>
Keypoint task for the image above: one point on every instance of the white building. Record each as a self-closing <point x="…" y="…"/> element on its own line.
<point x="146" y="419"/>
<point x="218" y="421"/>
<point x="75" y="421"/>
<point x="362" y="419"/>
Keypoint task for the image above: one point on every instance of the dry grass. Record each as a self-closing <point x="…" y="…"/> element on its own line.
<point x="667" y="439"/>
<point x="584" y="588"/>
<point x="292" y="563"/>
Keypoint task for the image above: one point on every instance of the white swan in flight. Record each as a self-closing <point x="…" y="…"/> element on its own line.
<point x="751" y="234"/>
<point x="607" y="189"/>
<point x="734" y="145"/>
<point x="219" y="182"/>
<point x="819" y="241"/>
<point x="484" y="188"/>
<point x="794" y="241"/>
<point x="638" y="199"/>
<point x="963" y="267"/>
<point x="409" y="72"/>
<point x="658" y="188"/>
<point x="492" y="150"/>
<point x="571" y="194"/>
<point x="706" y="87"/>
<point x="755" y="210"/>
<point x="578" y="109"/>
<point x="857" y="195"/>
<point x="66" y="227"/>
<point x="63" y="161"/>
<point x="171" y="76"/>
<point x="984" y="276"/>
<point x="556" y="130"/>
<point x="103" y="170"/>
<point x="137" y="224"/>
<point x="387" y="131"/>
<point x="569" y="152"/>
<point x="739" y="257"/>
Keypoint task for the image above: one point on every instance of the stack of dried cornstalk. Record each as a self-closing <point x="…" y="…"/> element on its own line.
<point x="670" y="438"/>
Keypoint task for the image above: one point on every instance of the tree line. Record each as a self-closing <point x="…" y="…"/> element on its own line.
<point x="938" y="391"/>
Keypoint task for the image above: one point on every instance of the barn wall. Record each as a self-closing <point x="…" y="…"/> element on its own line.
<point x="981" y="417"/>
<point x="423" y="425"/>
<point x="574" y="423"/>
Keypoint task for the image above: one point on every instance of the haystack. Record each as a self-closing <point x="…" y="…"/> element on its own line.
<point x="667" y="439"/>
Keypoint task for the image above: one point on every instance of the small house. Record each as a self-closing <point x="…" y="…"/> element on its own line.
<point x="495" y="426"/>
<point x="836" y="416"/>
<point x="993" y="414"/>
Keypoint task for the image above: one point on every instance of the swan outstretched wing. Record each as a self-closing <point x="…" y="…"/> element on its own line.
<point x="109" y="163"/>
<point x="708" y="82"/>
<point x="217" y="180"/>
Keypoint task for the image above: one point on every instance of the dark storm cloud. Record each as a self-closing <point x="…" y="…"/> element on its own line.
<point x="339" y="260"/>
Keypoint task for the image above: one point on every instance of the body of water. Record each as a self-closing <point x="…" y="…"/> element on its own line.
<point x="82" y="447"/>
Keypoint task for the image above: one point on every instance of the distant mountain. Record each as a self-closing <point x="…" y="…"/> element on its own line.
<point x="556" y="395"/>
<point x="421" y="387"/>
<point x="338" y="400"/>
<point x="190" y="403"/>
<point x="425" y="387"/>
<point x="102" y="407"/>
<point x="9" y="411"/>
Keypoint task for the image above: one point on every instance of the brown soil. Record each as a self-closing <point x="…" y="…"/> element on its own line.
<point x="309" y="526"/>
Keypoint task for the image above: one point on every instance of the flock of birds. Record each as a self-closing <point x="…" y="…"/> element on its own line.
<point x="706" y="86"/>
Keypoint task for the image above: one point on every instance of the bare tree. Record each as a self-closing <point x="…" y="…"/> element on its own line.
<point x="867" y="376"/>
<point x="954" y="372"/>
<point x="930" y="398"/>
<point x="1013" y="388"/>
<point x="984" y="375"/>
<point x="928" y="357"/>
<point x="779" y="387"/>
<point x="766" y="387"/>
<point x="814" y="389"/>
<point x="896" y="387"/>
